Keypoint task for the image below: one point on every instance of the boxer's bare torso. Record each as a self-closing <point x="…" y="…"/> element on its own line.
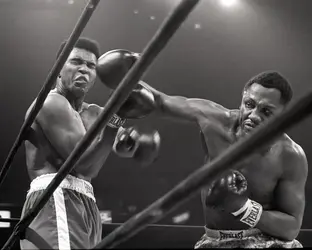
<point x="262" y="170"/>
<point x="276" y="174"/>
<point x="43" y="158"/>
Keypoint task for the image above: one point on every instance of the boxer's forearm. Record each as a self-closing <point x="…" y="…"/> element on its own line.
<point x="279" y="224"/>
<point x="165" y="104"/>
<point x="159" y="96"/>
<point x="98" y="151"/>
<point x="175" y="107"/>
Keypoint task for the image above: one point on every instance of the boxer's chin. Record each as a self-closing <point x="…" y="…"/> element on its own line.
<point x="79" y="91"/>
<point x="247" y="128"/>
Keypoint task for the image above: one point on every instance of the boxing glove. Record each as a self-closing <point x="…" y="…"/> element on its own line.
<point x="143" y="148"/>
<point x="229" y="193"/>
<point x="113" y="65"/>
<point x="111" y="69"/>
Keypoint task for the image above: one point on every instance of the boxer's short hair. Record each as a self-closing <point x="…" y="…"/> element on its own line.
<point x="83" y="43"/>
<point x="273" y="79"/>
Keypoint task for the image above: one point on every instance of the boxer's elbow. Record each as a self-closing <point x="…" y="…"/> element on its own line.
<point x="289" y="235"/>
<point x="293" y="230"/>
<point x="294" y="234"/>
<point x="280" y="225"/>
<point x="295" y="225"/>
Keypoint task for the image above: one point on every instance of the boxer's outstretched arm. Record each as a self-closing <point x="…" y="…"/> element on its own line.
<point x="187" y="109"/>
<point x="285" y="222"/>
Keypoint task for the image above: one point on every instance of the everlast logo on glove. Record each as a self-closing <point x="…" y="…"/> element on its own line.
<point x="229" y="235"/>
<point x="116" y="121"/>
<point x="252" y="214"/>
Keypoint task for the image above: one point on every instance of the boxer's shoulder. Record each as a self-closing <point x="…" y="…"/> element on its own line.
<point x="291" y="154"/>
<point x="54" y="95"/>
<point x="286" y="146"/>
<point x="56" y="101"/>
<point x="232" y="119"/>
<point x="212" y="112"/>
<point x="53" y="100"/>
<point x="233" y="115"/>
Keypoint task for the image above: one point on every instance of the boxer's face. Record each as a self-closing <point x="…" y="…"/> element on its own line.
<point x="258" y="104"/>
<point x="78" y="74"/>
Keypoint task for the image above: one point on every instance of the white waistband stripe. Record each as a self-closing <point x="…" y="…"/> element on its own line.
<point x="70" y="182"/>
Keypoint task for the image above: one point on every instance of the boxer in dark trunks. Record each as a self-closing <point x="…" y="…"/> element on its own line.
<point x="262" y="204"/>
<point x="71" y="219"/>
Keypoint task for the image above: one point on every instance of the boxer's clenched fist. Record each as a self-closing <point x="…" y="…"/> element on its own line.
<point x="229" y="193"/>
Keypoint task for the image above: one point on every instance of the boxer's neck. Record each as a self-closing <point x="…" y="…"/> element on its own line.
<point x="75" y="102"/>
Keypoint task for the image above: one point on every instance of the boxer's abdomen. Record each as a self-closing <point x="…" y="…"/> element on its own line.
<point x="261" y="171"/>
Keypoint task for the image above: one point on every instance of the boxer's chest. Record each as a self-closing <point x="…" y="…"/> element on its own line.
<point x="262" y="170"/>
<point x="262" y="173"/>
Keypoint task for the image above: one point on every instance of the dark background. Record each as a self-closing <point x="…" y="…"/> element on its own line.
<point x="211" y="56"/>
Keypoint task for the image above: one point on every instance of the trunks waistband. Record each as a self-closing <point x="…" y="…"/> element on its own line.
<point x="70" y="182"/>
<point x="231" y="234"/>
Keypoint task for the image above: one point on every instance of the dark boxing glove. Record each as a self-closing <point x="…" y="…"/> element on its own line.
<point x="113" y="65"/>
<point x="229" y="193"/>
<point x="111" y="69"/>
<point x="129" y="143"/>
